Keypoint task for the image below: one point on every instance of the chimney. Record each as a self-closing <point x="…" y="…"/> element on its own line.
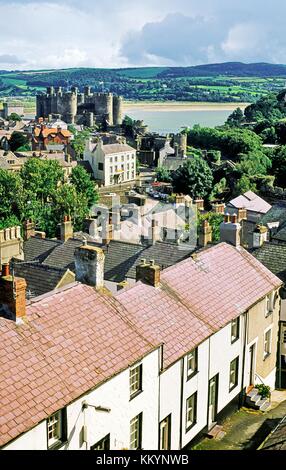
<point x="89" y="265"/>
<point x="205" y="234"/>
<point x="66" y="228"/>
<point x="148" y="273"/>
<point x="200" y="204"/>
<point x="29" y="229"/>
<point x="241" y="214"/>
<point x="230" y="230"/>
<point x="218" y="208"/>
<point x="155" y="232"/>
<point x="12" y="295"/>
<point x="107" y="234"/>
<point x="259" y="236"/>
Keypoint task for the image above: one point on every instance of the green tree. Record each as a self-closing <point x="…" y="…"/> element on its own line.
<point x="41" y="178"/>
<point x="253" y="164"/>
<point x="84" y="185"/>
<point x="194" y="178"/>
<point x="279" y="166"/>
<point x="14" y="117"/>
<point x="235" y="118"/>
<point x="11" y="196"/>
<point x="214" y="220"/>
<point x="243" y="185"/>
<point x="79" y="141"/>
<point x="18" y="139"/>
<point x="163" y="174"/>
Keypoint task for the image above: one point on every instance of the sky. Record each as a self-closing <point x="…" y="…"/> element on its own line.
<point x="47" y="34"/>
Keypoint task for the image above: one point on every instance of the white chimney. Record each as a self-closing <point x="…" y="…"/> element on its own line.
<point x="230" y="230"/>
<point x="89" y="265"/>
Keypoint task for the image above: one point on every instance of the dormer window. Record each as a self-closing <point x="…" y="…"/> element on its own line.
<point x="57" y="429"/>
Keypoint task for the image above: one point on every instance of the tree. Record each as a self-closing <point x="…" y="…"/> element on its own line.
<point x="11" y="196"/>
<point x="243" y="185"/>
<point x="194" y="178"/>
<point x="84" y="185"/>
<point x="14" y="117"/>
<point x="79" y="141"/>
<point x="235" y="118"/>
<point x="279" y="166"/>
<point x="254" y="164"/>
<point x="18" y="139"/>
<point x="41" y="178"/>
<point x="162" y="174"/>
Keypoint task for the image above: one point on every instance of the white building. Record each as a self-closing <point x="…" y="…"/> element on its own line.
<point x="111" y="164"/>
<point x="153" y="367"/>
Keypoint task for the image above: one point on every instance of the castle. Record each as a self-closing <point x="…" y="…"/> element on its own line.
<point x="81" y="108"/>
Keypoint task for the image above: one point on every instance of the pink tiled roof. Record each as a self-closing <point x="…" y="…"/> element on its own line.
<point x="251" y="202"/>
<point x="198" y="297"/>
<point x="74" y="339"/>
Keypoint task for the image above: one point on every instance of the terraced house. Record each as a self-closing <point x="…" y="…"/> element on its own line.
<point x="151" y="368"/>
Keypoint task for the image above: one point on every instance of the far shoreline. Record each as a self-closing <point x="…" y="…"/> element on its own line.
<point x="181" y="106"/>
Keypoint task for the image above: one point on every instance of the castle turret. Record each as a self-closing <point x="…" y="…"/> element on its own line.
<point x="103" y="107"/>
<point x="117" y="110"/>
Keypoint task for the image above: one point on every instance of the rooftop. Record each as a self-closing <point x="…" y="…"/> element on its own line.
<point x="273" y="256"/>
<point x="251" y="202"/>
<point x="197" y="297"/>
<point x="63" y="337"/>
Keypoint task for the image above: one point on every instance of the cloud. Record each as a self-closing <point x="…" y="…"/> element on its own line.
<point x="112" y="33"/>
<point x="9" y="59"/>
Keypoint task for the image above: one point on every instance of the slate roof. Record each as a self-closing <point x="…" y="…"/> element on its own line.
<point x="197" y="297"/>
<point x="273" y="256"/>
<point x="40" y="278"/>
<point x="277" y="213"/>
<point x="251" y="202"/>
<point x="36" y="248"/>
<point x="277" y="438"/>
<point x="116" y="148"/>
<point x="74" y="339"/>
<point x="120" y="258"/>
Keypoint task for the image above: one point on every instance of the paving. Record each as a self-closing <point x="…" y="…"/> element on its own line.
<point x="247" y="428"/>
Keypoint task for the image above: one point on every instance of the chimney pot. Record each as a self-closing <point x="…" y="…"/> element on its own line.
<point x="149" y="273"/>
<point x="5" y="269"/>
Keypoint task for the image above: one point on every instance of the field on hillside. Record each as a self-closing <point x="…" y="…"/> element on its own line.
<point x="218" y="83"/>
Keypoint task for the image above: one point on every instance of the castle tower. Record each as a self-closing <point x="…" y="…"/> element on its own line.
<point x="117" y="110"/>
<point x="181" y="141"/>
<point x="103" y="107"/>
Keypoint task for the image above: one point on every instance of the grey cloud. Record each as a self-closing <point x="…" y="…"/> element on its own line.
<point x="10" y="59"/>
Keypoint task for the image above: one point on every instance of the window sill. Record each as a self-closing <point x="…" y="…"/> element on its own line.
<point x="233" y="387"/>
<point x="57" y="445"/>
<point x="191" y="426"/>
<point x="189" y="377"/>
<point x="135" y="395"/>
<point x="266" y="356"/>
<point x="234" y="340"/>
<point x="268" y="314"/>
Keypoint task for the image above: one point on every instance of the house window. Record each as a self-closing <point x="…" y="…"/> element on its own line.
<point x="100" y="166"/>
<point x="56" y="429"/>
<point x="234" y="330"/>
<point x="111" y="180"/>
<point x="135" y="380"/>
<point x="111" y="159"/>
<point x="115" y="159"/>
<point x="269" y="308"/>
<point x="192" y="363"/>
<point x="136" y="432"/>
<point x="128" y="175"/>
<point x="233" y="374"/>
<point x="284" y="336"/>
<point x="191" y="411"/>
<point x="122" y="167"/>
<point x="267" y="343"/>
<point x="132" y="174"/>
<point x="122" y="158"/>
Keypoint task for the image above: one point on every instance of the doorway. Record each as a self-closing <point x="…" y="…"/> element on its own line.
<point x="252" y="364"/>
<point x="213" y="401"/>
<point x="165" y="434"/>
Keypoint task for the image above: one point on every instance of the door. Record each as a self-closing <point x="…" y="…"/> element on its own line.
<point x="165" y="433"/>
<point x="251" y="364"/>
<point x="213" y="397"/>
<point x="103" y="444"/>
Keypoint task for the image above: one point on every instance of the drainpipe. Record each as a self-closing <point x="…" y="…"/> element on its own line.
<point x="279" y="354"/>
<point x="181" y="401"/>
<point x="208" y="401"/>
<point x="245" y="315"/>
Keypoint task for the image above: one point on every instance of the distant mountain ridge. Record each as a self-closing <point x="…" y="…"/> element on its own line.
<point x="231" y="69"/>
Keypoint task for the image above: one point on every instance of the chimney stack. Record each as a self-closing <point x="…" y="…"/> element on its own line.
<point x="12" y="294"/>
<point x="66" y="228"/>
<point x="230" y="230"/>
<point x="200" y="204"/>
<point x="148" y="273"/>
<point x="155" y="232"/>
<point x="29" y="229"/>
<point x="89" y="265"/>
<point x="241" y="214"/>
<point x="205" y="234"/>
<point x="259" y="236"/>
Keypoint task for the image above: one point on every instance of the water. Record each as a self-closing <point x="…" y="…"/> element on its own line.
<point x="173" y="121"/>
